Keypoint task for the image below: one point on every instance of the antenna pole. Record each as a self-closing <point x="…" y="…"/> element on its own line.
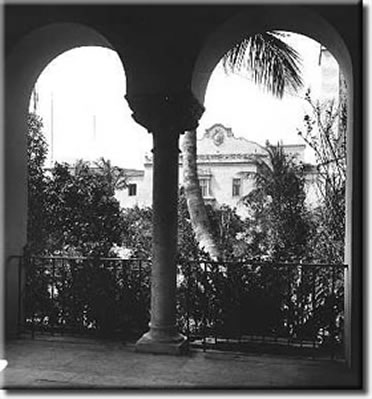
<point x="94" y="127"/>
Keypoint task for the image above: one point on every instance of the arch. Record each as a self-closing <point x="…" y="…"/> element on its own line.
<point x="260" y="19"/>
<point x="23" y="66"/>
<point x="322" y="28"/>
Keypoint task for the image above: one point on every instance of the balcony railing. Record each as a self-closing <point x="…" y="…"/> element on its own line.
<point x="287" y="306"/>
<point x="294" y="307"/>
<point x="105" y="296"/>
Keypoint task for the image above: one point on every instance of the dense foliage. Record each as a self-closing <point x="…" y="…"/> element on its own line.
<point x="83" y="216"/>
<point x="279" y="225"/>
<point x="37" y="150"/>
<point x="137" y="231"/>
<point x="73" y="212"/>
<point x="72" y="209"/>
<point x="88" y="295"/>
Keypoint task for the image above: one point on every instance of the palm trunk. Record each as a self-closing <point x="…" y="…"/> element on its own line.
<point x="195" y="203"/>
<point x="273" y="64"/>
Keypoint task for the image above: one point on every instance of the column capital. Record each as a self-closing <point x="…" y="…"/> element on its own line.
<point x="178" y="111"/>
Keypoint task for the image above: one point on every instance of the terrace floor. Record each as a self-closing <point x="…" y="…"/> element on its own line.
<point x="78" y="363"/>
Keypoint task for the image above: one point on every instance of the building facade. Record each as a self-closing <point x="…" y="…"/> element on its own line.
<point x="227" y="166"/>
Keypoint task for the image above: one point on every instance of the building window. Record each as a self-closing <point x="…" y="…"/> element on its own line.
<point x="132" y="189"/>
<point x="236" y="186"/>
<point x="205" y="187"/>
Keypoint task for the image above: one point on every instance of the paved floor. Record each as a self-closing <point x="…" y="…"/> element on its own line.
<point x="81" y="363"/>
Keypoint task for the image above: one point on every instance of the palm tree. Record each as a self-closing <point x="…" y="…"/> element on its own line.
<point x="268" y="60"/>
<point x="194" y="199"/>
<point x="116" y="176"/>
<point x="277" y="204"/>
<point x="272" y="64"/>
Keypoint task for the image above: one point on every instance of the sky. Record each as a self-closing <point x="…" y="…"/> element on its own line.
<point x="81" y="100"/>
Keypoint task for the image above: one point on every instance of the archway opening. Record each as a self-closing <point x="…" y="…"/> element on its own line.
<point x="87" y="127"/>
<point x="321" y="149"/>
<point x="85" y="183"/>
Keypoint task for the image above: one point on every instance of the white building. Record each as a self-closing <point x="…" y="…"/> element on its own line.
<point x="226" y="169"/>
<point x="227" y="164"/>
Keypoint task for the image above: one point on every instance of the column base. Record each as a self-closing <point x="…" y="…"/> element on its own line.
<point x="175" y="345"/>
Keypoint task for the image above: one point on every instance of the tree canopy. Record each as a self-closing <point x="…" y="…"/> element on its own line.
<point x="325" y="132"/>
<point x="279" y="224"/>
<point x="72" y="209"/>
<point x="37" y="151"/>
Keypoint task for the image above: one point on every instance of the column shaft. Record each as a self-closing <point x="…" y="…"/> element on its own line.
<point x="166" y="116"/>
<point x="163" y="336"/>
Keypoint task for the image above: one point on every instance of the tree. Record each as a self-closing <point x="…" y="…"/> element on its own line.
<point x="37" y="150"/>
<point x="115" y="176"/>
<point x="72" y="209"/>
<point x="268" y="60"/>
<point x="272" y="64"/>
<point x="228" y="230"/>
<point x="137" y="231"/>
<point x="280" y="224"/>
<point x="84" y="217"/>
<point x="325" y="132"/>
<point x="195" y="203"/>
<point x="187" y="242"/>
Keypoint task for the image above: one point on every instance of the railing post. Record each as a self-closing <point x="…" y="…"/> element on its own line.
<point x="53" y="304"/>
<point x="313" y="300"/>
<point x="289" y="305"/>
<point x="62" y="295"/>
<point x="32" y="267"/>
<point x="188" y="282"/>
<point x="301" y="298"/>
<point x="20" y="294"/>
<point x="205" y="305"/>
<point x="333" y="316"/>
<point x="240" y="289"/>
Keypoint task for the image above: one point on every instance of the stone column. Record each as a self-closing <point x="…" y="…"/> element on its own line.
<point x="166" y="117"/>
<point x="163" y="335"/>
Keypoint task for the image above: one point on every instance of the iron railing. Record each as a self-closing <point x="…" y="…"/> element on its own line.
<point x="288" y="306"/>
<point x="105" y="296"/>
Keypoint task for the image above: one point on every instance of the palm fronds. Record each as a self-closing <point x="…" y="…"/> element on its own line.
<point x="268" y="60"/>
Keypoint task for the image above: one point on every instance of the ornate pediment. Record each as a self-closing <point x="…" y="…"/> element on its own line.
<point x="217" y="133"/>
<point x="220" y="143"/>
